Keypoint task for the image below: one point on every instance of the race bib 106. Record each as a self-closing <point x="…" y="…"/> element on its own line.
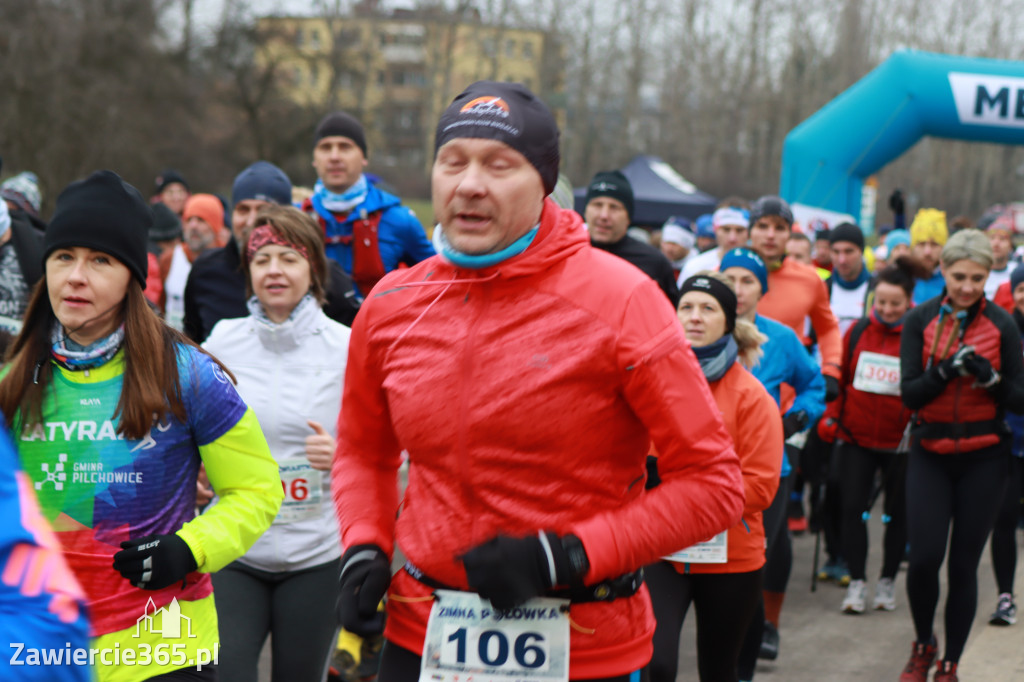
<point x="303" y="490"/>
<point x="468" y="640"/>
<point x="877" y="373"/>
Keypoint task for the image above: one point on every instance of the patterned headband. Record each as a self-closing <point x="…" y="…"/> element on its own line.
<point x="266" y="234"/>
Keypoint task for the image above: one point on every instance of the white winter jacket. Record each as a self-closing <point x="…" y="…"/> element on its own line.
<point x="289" y="373"/>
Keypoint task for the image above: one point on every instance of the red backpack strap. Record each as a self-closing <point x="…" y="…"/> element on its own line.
<point x="367" y="265"/>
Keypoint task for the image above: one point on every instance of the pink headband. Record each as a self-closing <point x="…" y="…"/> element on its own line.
<point x="266" y="234"/>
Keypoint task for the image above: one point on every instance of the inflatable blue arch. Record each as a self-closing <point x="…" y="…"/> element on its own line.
<point x="912" y="94"/>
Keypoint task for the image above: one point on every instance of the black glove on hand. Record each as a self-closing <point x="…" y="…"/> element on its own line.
<point x="794" y="422"/>
<point x="365" y="576"/>
<point x="831" y="388"/>
<point x="153" y="562"/>
<point x="953" y="366"/>
<point x="508" y="571"/>
<point x="896" y="201"/>
<point x="653" y="477"/>
<point x="982" y="369"/>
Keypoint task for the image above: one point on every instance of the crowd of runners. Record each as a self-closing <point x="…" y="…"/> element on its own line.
<point x="210" y="400"/>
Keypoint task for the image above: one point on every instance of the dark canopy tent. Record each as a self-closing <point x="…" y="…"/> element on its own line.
<point x="659" y="191"/>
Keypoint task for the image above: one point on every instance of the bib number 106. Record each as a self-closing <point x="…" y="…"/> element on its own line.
<point x="492" y="649"/>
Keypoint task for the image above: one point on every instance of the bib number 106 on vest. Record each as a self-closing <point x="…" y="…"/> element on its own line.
<point x="490" y="648"/>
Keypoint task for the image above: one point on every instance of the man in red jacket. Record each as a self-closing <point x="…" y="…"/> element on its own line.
<point x="526" y="374"/>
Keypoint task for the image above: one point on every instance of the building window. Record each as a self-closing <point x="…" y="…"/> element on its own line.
<point x="298" y="37"/>
<point x="314" y="73"/>
<point x="382" y="78"/>
<point x="490" y="48"/>
<point x="510" y="49"/>
<point x="527" y="49"/>
<point x="314" y="39"/>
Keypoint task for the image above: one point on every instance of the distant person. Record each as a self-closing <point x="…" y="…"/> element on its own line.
<point x="367" y="231"/>
<point x="799" y="248"/>
<point x="21" y="192"/>
<point x="822" y="257"/>
<point x="928" y="235"/>
<point x="204" y="223"/>
<point x="705" y="229"/>
<point x="678" y="243"/>
<point x="731" y="227"/>
<point x="171" y="190"/>
<point x="21" y="258"/>
<point x="850" y="285"/>
<point x="898" y="244"/>
<point x="608" y="214"/>
<point x="1000" y="237"/>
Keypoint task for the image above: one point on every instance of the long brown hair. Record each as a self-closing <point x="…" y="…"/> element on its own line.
<point x="152" y="385"/>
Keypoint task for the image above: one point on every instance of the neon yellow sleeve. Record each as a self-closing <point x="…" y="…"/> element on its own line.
<point x="245" y="476"/>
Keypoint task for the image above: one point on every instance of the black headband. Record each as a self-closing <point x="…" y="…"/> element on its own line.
<point x="721" y="292"/>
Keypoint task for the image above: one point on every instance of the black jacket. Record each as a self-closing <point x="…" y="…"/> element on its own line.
<point x="215" y="291"/>
<point x="28" y="245"/>
<point x="653" y="262"/>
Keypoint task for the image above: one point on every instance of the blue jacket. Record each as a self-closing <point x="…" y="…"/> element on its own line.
<point x="400" y="235"/>
<point x="927" y="289"/>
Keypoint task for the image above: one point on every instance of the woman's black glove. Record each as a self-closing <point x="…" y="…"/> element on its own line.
<point x="954" y="366"/>
<point x="154" y="562"/>
<point x="794" y="422"/>
<point x="365" y="577"/>
<point x="508" y="571"/>
<point x="831" y="388"/>
<point x="982" y="370"/>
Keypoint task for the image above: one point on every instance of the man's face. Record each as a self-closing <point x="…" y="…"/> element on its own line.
<point x="799" y="250"/>
<point x="338" y="162"/>
<point x="928" y="253"/>
<point x="847" y="260"/>
<point x="486" y="194"/>
<point x="199" y="235"/>
<point x="822" y="252"/>
<point x="730" y="237"/>
<point x="607" y="220"/>
<point x="674" y="251"/>
<point x="1002" y="247"/>
<point x="174" y="197"/>
<point x="1018" y="297"/>
<point x="768" y="237"/>
<point x="243" y="217"/>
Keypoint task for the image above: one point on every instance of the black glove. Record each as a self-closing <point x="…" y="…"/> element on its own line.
<point x="896" y="201"/>
<point x="365" y="576"/>
<point x="953" y="366"/>
<point x="831" y="388"/>
<point x="508" y="571"/>
<point x="653" y="477"/>
<point x="982" y="370"/>
<point x="153" y="562"/>
<point x="794" y="422"/>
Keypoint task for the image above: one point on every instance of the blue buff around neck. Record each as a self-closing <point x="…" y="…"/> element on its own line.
<point x="485" y="260"/>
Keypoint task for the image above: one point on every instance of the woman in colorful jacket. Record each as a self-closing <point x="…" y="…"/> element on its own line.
<point x="961" y="370"/>
<point x="289" y="358"/>
<point x="112" y="413"/>
<point x="721" y="577"/>
<point x="868" y="420"/>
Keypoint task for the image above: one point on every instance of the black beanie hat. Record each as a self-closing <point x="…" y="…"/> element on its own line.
<point x="718" y="289"/>
<point x="166" y="224"/>
<point x="847" y="232"/>
<point x="612" y="184"/>
<point x="341" y="124"/>
<point x="105" y="213"/>
<point x="509" y="113"/>
<point x="169" y="177"/>
<point x="771" y="205"/>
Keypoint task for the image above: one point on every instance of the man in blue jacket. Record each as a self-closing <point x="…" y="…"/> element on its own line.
<point x="367" y="231"/>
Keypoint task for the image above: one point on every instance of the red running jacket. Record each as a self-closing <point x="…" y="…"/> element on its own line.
<point x="870" y="420"/>
<point x="526" y="395"/>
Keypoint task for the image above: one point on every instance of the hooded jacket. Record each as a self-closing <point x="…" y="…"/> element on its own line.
<point x="527" y="395"/>
<point x="288" y="373"/>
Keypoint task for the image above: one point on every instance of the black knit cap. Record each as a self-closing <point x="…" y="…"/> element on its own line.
<point x="509" y="113"/>
<point x="847" y="232"/>
<point x="341" y="124"/>
<point x="105" y="213"/>
<point x="612" y="184"/>
<point x="169" y="176"/>
<point x="771" y="205"/>
<point x="166" y="224"/>
<point x="718" y="289"/>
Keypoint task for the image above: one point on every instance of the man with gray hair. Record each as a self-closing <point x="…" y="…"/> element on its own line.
<point x="554" y="366"/>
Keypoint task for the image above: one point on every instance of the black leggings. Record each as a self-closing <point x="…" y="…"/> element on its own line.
<point x="857" y="467"/>
<point x="296" y="607"/>
<point x="964" y="490"/>
<point x="1004" y="535"/>
<point x="725" y="604"/>
<point x="398" y="664"/>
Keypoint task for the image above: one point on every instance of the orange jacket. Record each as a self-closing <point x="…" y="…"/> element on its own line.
<point x="526" y="395"/>
<point x="795" y="292"/>
<point x="752" y="419"/>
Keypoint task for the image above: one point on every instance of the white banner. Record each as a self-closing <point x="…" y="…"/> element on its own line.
<point x="988" y="100"/>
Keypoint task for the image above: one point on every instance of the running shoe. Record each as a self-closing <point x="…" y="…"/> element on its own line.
<point x="769" y="642"/>
<point x="921" y="658"/>
<point x="945" y="671"/>
<point x="835" y="570"/>
<point x="855" y="594"/>
<point x="885" y="595"/>
<point x="1006" y="611"/>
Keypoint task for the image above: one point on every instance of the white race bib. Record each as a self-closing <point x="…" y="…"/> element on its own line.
<point x="713" y="551"/>
<point x="877" y="373"/>
<point x="469" y="640"/>
<point x="303" y="490"/>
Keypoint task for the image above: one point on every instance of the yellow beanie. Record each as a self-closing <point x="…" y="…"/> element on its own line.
<point x="929" y="224"/>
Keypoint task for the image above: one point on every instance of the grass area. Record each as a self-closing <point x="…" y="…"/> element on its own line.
<point x="424" y="210"/>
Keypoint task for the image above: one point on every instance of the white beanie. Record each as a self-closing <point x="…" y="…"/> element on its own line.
<point x="730" y="216"/>
<point x="678" y="235"/>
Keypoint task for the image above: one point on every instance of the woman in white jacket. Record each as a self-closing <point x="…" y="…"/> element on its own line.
<point x="289" y="359"/>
